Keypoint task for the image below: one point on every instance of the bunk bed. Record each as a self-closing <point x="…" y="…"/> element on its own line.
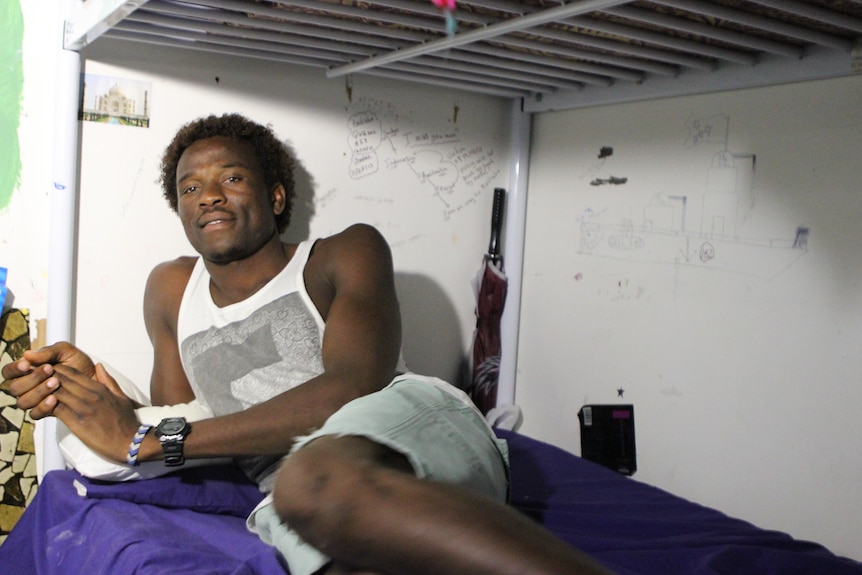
<point x="541" y="54"/>
<point x="549" y="54"/>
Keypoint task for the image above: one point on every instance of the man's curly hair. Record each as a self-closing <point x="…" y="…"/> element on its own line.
<point x="274" y="157"/>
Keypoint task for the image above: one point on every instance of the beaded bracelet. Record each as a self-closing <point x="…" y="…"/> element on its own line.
<point x="135" y="446"/>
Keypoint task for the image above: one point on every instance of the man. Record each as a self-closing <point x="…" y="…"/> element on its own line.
<point x="295" y="348"/>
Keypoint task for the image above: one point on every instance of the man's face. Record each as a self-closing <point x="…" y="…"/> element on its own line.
<point x="226" y="210"/>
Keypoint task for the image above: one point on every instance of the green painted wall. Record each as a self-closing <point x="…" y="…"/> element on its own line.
<point x="11" y="87"/>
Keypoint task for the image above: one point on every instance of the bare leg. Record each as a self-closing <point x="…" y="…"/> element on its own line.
<point x="352" y="500"/>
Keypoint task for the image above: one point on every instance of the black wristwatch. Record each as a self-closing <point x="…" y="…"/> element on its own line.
<point x="171" y="433"/>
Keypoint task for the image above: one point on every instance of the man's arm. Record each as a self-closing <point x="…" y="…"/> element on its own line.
<point x="162" y="297"/>
<point x="34" y="379"/>
<point x="350" y="279"/>
<point x="63" y="381"/>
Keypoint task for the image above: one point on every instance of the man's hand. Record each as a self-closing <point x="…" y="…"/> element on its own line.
<point x="95" y="410"/>
<point x="29" y="378"/>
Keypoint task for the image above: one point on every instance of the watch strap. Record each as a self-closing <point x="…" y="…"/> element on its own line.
<point x="173" y="451"/>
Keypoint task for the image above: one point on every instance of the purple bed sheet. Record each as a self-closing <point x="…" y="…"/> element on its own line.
<point x="193" y="522"/>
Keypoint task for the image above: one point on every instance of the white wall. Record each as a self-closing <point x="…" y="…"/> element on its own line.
<point x="739" y="351"/>
<point x="424" y="177"/>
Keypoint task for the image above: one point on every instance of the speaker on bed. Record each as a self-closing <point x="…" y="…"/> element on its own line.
<point x="608" y="436"/>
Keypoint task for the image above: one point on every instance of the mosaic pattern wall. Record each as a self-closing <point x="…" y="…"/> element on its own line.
<point x="17" y="449"/>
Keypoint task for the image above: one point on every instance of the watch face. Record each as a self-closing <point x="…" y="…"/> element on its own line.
<point x="171" y="426"/>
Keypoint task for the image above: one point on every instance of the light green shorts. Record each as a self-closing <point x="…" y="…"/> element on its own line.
<point x="433" y="424"/>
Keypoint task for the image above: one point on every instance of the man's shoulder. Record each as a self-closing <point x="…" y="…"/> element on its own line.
<point x="354" y="254"/>
<point x="182" y="265"/>
<point x="174" y="272"/>
<point x="355" y="237"/>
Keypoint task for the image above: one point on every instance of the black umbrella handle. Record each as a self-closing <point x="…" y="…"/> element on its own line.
<point x="496" y="223"/>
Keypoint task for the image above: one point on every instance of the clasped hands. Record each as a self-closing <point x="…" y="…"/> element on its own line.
<point x="62" y="381"/>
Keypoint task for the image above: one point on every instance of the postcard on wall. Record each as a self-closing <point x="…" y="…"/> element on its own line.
<point x="111" y="100"/>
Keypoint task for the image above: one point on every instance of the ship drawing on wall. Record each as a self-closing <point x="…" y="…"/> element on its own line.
<point x="670" y="231"/>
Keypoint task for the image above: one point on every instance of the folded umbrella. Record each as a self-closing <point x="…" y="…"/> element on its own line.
<point x="490" y="286"/>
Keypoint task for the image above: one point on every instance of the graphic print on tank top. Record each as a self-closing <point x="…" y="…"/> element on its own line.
<point x="248" y="361"/>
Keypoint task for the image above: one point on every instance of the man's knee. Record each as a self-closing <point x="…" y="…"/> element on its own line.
<point x="306" y="481"/>
<point x="322" y="487"/>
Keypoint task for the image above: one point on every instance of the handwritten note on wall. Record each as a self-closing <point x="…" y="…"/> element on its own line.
<point x="452" y="168"/>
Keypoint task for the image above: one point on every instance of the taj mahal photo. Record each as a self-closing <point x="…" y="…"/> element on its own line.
<point x="111" y="100"/>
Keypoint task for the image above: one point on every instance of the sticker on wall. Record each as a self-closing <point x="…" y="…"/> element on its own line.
<point x="120" y="101"/>
<point x="11" y="42"/>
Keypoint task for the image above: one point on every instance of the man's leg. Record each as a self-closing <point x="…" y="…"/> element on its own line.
<point x="359" y="503"/>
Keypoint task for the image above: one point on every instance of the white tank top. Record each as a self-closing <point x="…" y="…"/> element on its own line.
<point x="250" y="351"/>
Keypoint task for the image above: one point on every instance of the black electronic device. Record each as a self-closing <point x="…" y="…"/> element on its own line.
<point x="608" y="436"/>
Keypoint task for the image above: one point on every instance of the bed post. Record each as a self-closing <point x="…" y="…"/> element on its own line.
<point x="513" y="249"/>
<point x="63" y="218"/>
